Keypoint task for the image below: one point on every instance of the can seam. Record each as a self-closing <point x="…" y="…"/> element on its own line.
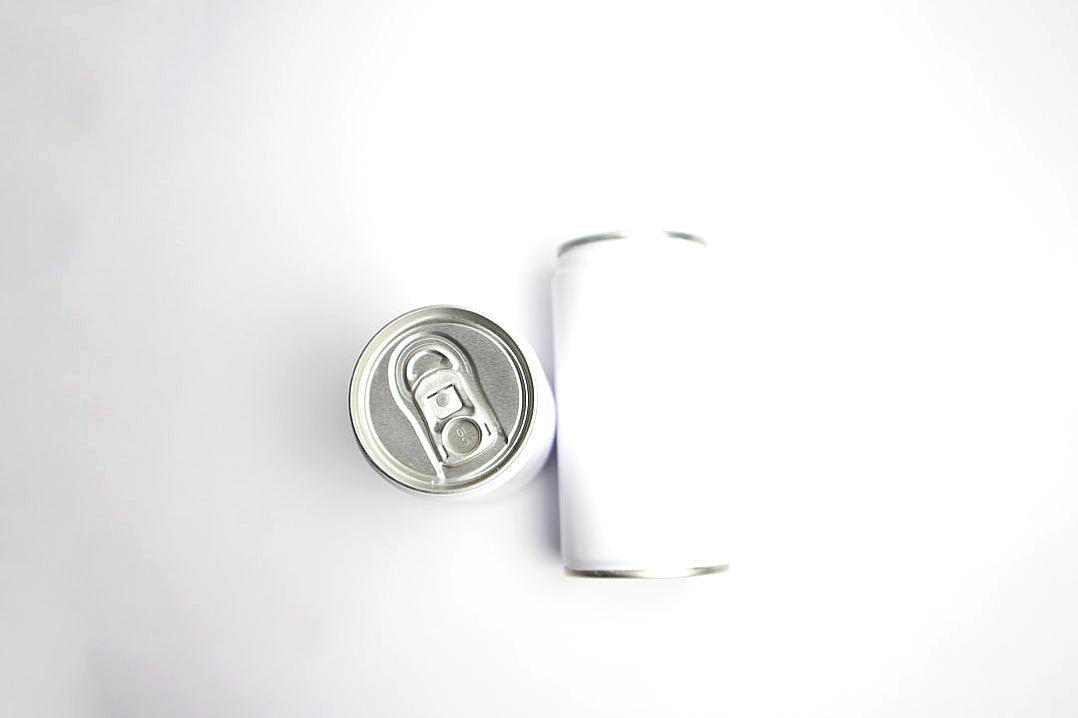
<point x="624" y="234"/>
<point x="650" y="573"/>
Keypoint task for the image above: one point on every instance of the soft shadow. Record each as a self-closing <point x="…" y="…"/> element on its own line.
<point x="542" y="315"/>
<point x="548" y="479"/>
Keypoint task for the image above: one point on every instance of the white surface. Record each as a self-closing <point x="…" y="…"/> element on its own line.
<point x="642" y="478"/>
<point x="207" y="209"/>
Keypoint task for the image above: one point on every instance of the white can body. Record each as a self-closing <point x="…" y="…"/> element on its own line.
<point x="640" y="486"/>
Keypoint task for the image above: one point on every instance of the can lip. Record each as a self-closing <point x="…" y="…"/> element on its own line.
<point x="628" y="234"/>
<point x="381" y="341"/>
<point x="651" y="573"/>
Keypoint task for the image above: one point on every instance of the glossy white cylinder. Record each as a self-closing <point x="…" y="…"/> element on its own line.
<point x="639" y="483"/>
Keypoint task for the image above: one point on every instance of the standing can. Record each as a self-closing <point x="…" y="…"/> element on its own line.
<point x="447" y="403"/>
<point x="639" y="484"/>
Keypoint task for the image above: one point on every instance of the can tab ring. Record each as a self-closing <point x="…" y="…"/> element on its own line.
<point x="434" y="383"/>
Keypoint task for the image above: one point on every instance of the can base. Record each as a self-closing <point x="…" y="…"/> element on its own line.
<point x="664" y="572"/>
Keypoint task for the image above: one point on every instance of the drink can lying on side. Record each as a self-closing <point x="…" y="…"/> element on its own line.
<point x="640" y="476"/>
<point x="447" y="403"/>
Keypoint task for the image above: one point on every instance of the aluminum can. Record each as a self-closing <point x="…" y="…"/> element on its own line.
<point x="640" y="488"/>
<point x="447" y="403"/>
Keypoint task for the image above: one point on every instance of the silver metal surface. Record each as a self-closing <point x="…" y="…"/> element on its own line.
<point x="637" y="235"/>
<point x="441" y="399"/>
<point x="649" y="572"/>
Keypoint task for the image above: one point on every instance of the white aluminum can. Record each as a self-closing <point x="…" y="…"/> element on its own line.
<point x="448" y="404"/>
<point x="639" y="484"/>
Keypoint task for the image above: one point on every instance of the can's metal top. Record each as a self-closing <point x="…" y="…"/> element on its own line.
<point x="634" y="234"/>
<point x="441" y="400"/>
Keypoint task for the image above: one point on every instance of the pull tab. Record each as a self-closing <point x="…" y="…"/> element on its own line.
<point x="434" y="383"/>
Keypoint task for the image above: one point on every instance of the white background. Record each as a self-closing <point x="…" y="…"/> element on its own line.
<point x="207" y="208"/>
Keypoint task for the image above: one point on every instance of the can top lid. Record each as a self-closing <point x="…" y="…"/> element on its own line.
<point x="642" y="235"/>
<point x="441" y="400"/>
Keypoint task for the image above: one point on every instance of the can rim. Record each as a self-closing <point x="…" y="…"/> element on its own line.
<point x="649" y="573"/>
<point x="628" y="234"/>
<point x="366" y="361"/>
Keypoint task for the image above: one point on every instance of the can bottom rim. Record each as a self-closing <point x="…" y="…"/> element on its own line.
<point x="664" y="572"/>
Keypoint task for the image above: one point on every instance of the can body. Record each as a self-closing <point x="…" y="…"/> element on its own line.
<point x="639" y="484"/>
<point x="446" y="403"/>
